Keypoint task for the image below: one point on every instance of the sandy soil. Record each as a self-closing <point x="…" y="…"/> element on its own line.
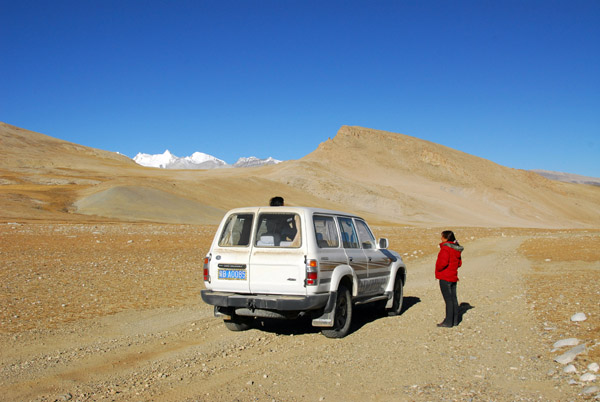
<point x="112" y="312"/>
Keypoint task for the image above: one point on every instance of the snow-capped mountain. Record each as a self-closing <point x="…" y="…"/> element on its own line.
<point x="254" y="161"/>
<point x="197" y="160"/>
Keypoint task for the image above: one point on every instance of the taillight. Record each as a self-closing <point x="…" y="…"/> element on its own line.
<point x="206" y="275"/>
<point x="312" y="272"/>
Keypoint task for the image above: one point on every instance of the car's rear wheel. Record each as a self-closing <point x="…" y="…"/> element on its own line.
<point x="398" y="296"/>
<point x="237" y="324"/>
<point x="342" y="316"/>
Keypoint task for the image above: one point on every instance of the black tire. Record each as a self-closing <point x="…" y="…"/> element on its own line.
<point x="237" y="324"/>
<point x="398" y="297"/>
<point x="342" y="316"/>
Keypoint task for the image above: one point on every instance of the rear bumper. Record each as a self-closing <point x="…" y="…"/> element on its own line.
<point x="265" y="302"/>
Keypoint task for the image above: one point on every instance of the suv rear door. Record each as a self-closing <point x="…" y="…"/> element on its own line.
<point x="356" y="257"/>
<point x="277" y="256"/>
<point x="330" y="253"/>
<point x="230" y="258"/>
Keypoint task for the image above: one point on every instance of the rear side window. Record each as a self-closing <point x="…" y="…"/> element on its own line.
<point x="349" y="237"/>
<point x="326" y="232"/>
<point x="236" y="231"/>
<point x="278" y="230"/>
<point x="367" y="240"/>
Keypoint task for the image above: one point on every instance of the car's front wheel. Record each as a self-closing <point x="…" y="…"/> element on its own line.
<point x="342" y="316"/>
<point x="397" y="296"/>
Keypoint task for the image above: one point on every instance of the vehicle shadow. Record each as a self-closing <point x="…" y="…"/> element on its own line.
<point x="368" y="313"/>
<point x="298" y="326"/>
<point x="361" y="316"/>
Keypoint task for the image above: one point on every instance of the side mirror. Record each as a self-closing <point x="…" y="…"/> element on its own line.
<point x="383" y="243"/>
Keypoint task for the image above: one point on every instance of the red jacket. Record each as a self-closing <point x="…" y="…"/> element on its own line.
<point x="448" y="261"/>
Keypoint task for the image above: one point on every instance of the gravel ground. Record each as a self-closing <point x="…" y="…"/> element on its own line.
<point x="112" y="312"/>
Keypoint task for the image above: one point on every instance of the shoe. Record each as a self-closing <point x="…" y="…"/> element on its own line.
<point x="444" y="325"/>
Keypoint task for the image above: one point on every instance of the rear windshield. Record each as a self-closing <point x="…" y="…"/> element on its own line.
<point x="278" y="230"/>
<point x="236" y="231"/>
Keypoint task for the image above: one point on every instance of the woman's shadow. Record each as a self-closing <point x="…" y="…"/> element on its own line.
<point x="462" y="309"/>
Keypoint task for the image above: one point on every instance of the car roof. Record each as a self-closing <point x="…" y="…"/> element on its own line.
<point x="290" y="209"/>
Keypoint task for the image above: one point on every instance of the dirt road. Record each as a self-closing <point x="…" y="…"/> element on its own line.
<point x="499" y="352"/>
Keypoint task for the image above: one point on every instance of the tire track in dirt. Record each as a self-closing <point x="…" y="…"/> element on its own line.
<point x="498" y="352"/>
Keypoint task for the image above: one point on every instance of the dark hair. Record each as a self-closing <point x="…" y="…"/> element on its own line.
<point x="276" y="202"/>
<point x="448" y="235"/>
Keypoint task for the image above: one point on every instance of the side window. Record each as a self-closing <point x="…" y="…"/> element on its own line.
<point x="326" y="232"/>
<point x="278" y="230"/>
<point x="367" y="240"/>
<point x="349" y="238"/>
<point x="236" y="231"/>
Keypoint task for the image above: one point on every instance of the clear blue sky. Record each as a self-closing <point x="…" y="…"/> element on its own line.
<point x="516" y="82"/>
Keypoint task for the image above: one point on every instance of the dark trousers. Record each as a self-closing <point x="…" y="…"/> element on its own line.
<point x="449" y="293"/>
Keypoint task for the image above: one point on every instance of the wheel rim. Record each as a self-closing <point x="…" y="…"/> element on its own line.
<point x="341" y="312"/>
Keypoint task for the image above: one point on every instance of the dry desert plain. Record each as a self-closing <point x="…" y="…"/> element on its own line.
<point x="98" y="307"/>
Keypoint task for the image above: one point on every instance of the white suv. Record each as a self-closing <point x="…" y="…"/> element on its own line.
<point x="285" y="262"/>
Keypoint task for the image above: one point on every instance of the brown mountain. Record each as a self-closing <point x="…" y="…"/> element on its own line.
<point x="406" y="179"/>
<point x="383" y="176"/>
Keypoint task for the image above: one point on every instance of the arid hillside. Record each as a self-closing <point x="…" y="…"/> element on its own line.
<point x="46" y="179"/>
<point x="406" y="179"/>
<point x="383" y="176"/>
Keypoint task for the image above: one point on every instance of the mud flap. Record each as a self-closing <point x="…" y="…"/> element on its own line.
<point x="390" y="302"/>
<point x="326" y="319"/>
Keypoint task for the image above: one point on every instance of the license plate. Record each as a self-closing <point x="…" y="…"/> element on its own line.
<point x="232" y="274"/>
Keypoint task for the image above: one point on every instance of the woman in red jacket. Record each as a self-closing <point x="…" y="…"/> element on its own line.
<point x="446" y="270"/>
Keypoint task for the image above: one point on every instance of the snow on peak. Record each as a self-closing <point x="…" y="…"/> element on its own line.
<point x="158" y="160"/>
<point x="201" y="157"/>
<point x="198" y="160"/>
<point x="254" y="161"/>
